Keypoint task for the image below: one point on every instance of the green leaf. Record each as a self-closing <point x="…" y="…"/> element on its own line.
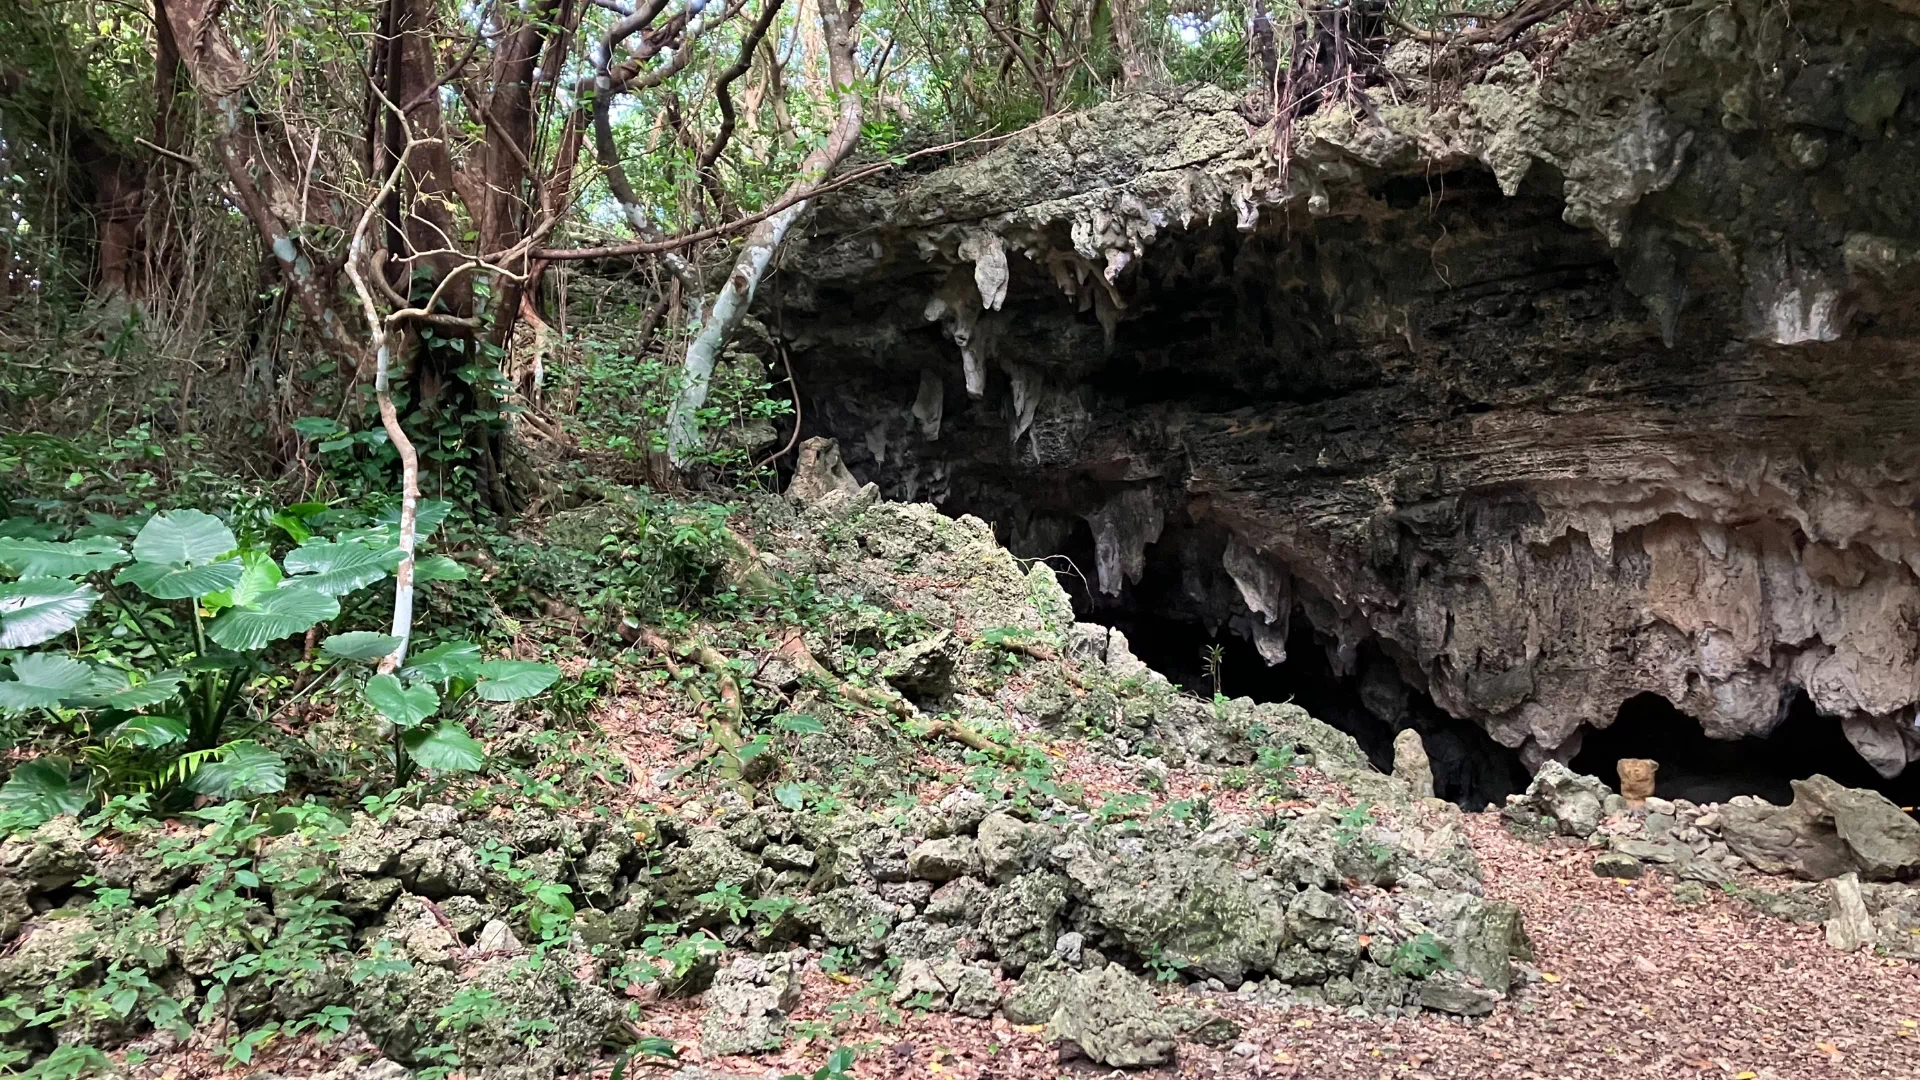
<point x="292" y="526"/>
<point x="405" y="705"/>
<point x="43" y="680"/>
<point x="290" y="609"/>
<point x="259" y="575"/>
<point x="791" y="795"/>
<point x="151" y="732"/>
<point x="511" y="680"/>
<point x="39" y="558"/>
<point x="446" y="748"/>
<point x="438" y="568"/>
<point x="799" y="724"/>
<point x="176" y="581"/>
<point x="183" y="537"/>
<point x="361" y="645"/>
<point x="317" y="427"/>
<point x="427" y="516"/>
<point x="244" y="768"/>
<point x="41" y="609"/>
<point x="452" y="660"/>
<point x="753" y="748"/>
<point x="44" y="788"/>
<point x="112" y="689"/>
<point x="339" y="568"/>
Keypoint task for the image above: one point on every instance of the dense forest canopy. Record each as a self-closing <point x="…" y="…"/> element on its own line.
<point x="272" y="189"/>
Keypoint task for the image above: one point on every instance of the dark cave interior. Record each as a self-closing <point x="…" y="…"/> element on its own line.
<point x="1469" y="768"/>
<point x="1369" y="700"/>
<point x="1702" y="769"/>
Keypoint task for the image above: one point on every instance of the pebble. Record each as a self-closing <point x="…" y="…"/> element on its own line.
<point x="1245" y="1050"/>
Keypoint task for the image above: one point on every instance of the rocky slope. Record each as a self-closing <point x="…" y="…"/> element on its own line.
<point x="1591" y="377"/>
<point x="955" y="800"/>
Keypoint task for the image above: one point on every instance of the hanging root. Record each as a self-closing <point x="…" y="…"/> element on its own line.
<point x="726" y="722"/>
<point x="813" y="671"/>
<point x="1336" y="49"/>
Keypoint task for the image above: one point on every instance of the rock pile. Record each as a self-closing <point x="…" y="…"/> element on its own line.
<point x="1857" y="846"/>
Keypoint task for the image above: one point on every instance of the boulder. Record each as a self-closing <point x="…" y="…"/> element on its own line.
<point x="748" y="1003"/>
<point x="1192" y="907"/>
<point x="1882" y="839"/>
<point x="1410" y="763"/>
<point x="853" y="916"/>
<point x="1036" y="996"/>
<point x="959" y="901"/>
<point x="1575" y="802"/>
<point x="1112" y="1018"/>
<point x="1022" y="919"/>
<point x="513" y="1018"/>
<point x="821" y="479"/>
<point x="1484" y="938"/>
<point x="1850" y="926"/>
<point x="1614" y="864"/>
<point x="948" y="983"/>
<point x="1827" y="831"/>
<point x="1009" y="846"/>
<point x="944" y="860"/>
<point x="1448" y="993"/>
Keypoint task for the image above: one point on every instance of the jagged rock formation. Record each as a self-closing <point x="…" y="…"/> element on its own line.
<point x="1589" y="378"/>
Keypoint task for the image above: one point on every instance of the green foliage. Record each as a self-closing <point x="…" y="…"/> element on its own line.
<point x="158" y="700"/>
<point x="1420" y="956"/>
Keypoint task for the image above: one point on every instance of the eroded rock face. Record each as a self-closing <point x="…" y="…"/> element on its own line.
<point x="1558" y="389"/>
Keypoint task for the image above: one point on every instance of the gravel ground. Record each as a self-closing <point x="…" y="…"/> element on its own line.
<point x="1632" y="984"/>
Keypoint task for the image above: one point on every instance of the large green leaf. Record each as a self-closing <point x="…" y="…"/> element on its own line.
<point x="43" y="681"/>
<point x="41" y="609"/>
<point x="112" y="689"/>
<point x="183" y="537"/>
<point x="177" y="581"/>
<point x="511" y="680"/>
<point x="451" y="660"/>
<point x="438" y="568"/>
<point x="40" y="558"/>
<point x="45" y="788"/>
<point x="259" y="575"/>
<point x="361" y="645"/>
<point x="427" y="516"/>
<point x="244" y="769"/>
<point x="405" y="705"/>
<point x="446" y="748"/>
<point x="290" y="609"/>
<point x="151" y="732"/>
<point x="340" y="568"/>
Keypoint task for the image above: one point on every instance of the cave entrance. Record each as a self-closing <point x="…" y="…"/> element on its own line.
<point x="1372" y="704"/>
<point x="1698" y="768"/>
<point x="1367" y="699"/>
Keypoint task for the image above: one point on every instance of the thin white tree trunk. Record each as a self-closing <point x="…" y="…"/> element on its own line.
<point x="731" y="302"/>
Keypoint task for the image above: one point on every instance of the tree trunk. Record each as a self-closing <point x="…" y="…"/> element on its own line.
<point x="730" y="303"/>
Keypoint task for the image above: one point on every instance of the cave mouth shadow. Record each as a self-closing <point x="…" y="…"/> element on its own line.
<point x="1469" y="768"/>
<point x="1701" y="769"/>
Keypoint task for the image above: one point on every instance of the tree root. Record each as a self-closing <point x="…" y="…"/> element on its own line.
<point x="796" y="653"/>
<point x="965" y="736"/>
<point x="726" y="722"/>
<point x="811" y="669"/>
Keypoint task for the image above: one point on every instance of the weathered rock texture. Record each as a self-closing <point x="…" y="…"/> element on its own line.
<point x="1594" y="377"/>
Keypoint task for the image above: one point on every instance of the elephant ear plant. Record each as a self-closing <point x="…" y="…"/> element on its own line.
<point x="440" y="680"/>
<point x="159" y="706"/>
